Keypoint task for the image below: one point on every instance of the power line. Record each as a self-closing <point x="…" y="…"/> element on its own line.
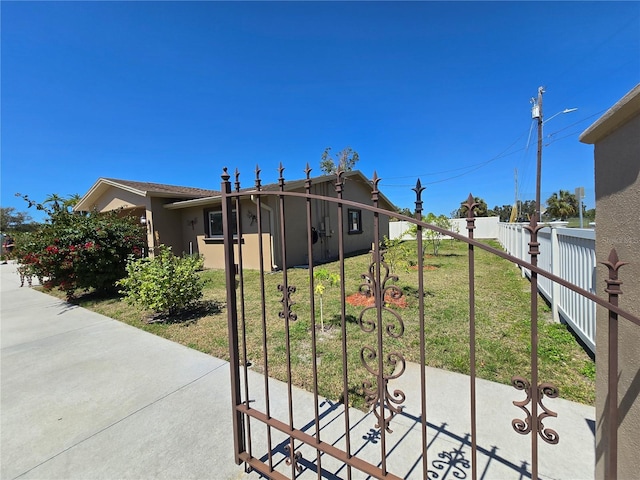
<point x="476" y="165"/>
<point x="577" y="123"/>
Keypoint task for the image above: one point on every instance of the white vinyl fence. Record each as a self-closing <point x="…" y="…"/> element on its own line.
<point x="568" y="253"/>
<point x="486" y="227"/>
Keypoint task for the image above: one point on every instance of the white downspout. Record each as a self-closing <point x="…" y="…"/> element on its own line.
<point x="271" y="228"/>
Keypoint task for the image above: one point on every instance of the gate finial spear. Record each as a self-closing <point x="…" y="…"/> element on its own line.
<point x="613" y="263"/>
<point x="237" y="174"/>
<point x="339" y="180"/>
<point x="281" y="179"/>
<point x="375" y="180"/>
<point x="375" y="191"/>
<point x="470" y="204"/>
<point x="418" y="189"/>
<point x="258" y="182"/>
<point x="471" y="220"/>
<point x="307" y="182"/>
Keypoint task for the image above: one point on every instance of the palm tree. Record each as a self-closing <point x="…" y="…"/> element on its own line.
<point x="71" y="201"/>
<point x="562" y="205"/>
<point x="55" y="200"/>
<point x="60" y="203"/>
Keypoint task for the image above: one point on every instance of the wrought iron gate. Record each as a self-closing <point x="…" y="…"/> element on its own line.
<point x="283" y="432"/>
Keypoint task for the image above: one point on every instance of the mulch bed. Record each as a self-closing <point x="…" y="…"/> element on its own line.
<point x="362" y="300"/>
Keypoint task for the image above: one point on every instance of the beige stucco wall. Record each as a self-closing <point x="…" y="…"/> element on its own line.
<point x="325" y="220"/>
<point x="193" y="223"/>
<point x="165" y="225"/>
<point x="115" y="198"/>
<point x="617" y="186"/>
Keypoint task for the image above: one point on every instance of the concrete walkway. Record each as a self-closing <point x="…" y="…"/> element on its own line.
<point x="87" y="397"/>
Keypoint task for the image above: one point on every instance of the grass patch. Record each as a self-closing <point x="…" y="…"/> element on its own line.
<point x="502" y="326"/>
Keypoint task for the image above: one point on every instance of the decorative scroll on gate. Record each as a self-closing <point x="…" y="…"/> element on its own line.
<point x="379" y="395"/>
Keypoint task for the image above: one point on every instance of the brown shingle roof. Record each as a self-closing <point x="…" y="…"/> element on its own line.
<point x="164" y="189"/>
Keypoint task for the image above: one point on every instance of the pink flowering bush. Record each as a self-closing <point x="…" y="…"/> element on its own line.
<point x="81" y="251"/>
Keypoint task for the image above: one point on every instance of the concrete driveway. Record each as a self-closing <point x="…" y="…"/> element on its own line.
<point x="84" y="396"/>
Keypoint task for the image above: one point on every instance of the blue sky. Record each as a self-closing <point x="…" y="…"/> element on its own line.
<point x="172" y="92"/>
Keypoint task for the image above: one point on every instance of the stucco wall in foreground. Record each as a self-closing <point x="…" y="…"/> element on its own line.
<point x="617" y="183"/>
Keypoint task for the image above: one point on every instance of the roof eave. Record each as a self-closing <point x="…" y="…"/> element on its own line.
<point x="197" y="202"/>
<point x="95" y="189"/>
<point x="624" y="110"/>
<point x="288" y="187"/>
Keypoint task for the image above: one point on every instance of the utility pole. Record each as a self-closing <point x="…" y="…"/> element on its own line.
<point x="516" y="195"/>
<point x="536" y="112"/>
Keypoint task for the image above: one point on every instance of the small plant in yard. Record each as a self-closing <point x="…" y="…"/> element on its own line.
<point x="324" y="278"/>
<point x="395" y="255"/>
<point x="434" y="238"/>
<point x="166" y="283"/>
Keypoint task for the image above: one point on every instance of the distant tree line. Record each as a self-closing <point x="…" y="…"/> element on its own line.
<point x="559" y="206"/>
<point x="12" y="221"/>
<point x="523" y="212"/>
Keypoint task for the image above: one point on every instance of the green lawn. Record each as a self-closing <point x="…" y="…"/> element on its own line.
<point x="502" y="326"/>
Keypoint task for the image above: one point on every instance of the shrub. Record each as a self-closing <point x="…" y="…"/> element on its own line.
<point x="80" y="251"/>
<point x="166" y="283"/>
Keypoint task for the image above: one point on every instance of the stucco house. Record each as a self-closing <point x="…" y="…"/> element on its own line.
<point x="616" y="140"/>
<point x="189" y="220"/>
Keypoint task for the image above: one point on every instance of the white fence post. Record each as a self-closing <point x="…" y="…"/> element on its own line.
<point x="522" y="235"/>
<point x="555" y="269"/>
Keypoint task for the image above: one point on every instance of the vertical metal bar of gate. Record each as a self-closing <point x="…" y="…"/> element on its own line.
<point x="612" y="467"/>
<point x="243" y="319"/>
<point x="232" y="317"/>
<point x="472" y="336"/>
<point x="287" y="315"/>
<point x="343" y="320"/>
<point x="533" y="227"/>
<point x="613" y="289"/>
<point x="312" y="305"/>
<point x="379" y="293"/>
<point x="423" y="378"/>
<point x="263" y="318"/>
